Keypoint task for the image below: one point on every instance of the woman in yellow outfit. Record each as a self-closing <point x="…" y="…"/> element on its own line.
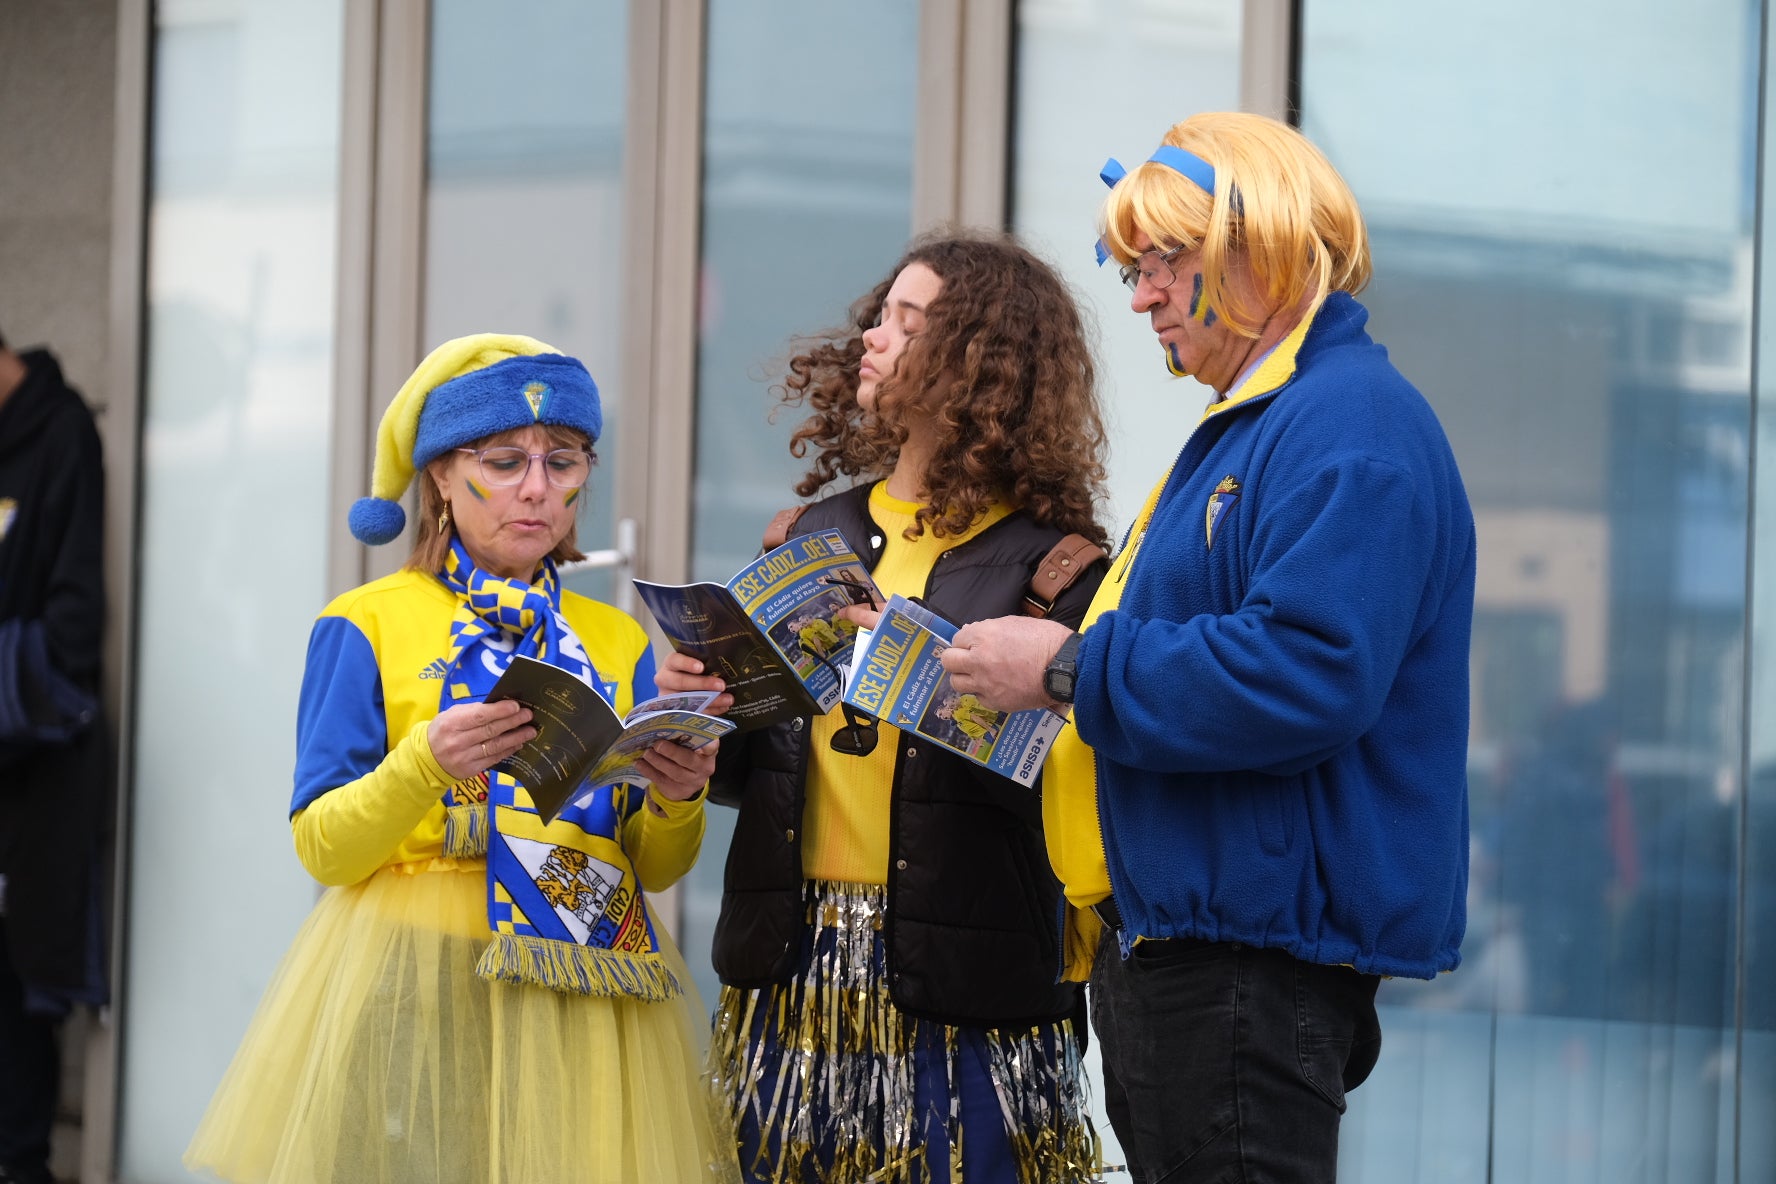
<point x="479" y="996"/>
<point x="888" y="940"/>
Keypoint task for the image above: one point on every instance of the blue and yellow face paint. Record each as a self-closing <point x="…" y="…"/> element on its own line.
<point x="480" y="494"/>
<point x="573" y="495"/>
<point x="1199" y="311"/>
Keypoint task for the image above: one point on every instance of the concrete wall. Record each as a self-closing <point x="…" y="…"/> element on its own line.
<point x="57" y="98"/>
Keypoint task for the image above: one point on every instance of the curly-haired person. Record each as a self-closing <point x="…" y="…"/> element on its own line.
<point x="888" y="937"/>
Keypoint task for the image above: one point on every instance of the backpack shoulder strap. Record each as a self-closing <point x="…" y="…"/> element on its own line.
<point x="1064" y="564"/>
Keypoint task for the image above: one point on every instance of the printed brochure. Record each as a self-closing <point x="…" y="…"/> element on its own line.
<point x="897" y="678"/>
<point x="769" y="632"/>
<point x="581" y="743"/>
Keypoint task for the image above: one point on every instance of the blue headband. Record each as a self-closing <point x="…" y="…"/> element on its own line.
<point x="1187" y="164"/>
<point x="514" y="393"/>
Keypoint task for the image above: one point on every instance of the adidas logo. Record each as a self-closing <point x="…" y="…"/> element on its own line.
<point x="436" y="670"/>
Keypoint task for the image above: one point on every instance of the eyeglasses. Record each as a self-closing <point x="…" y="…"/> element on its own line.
<point x="858" y="736"/>
<point x="1159" y="273"/>
<point x="566" y="468"/>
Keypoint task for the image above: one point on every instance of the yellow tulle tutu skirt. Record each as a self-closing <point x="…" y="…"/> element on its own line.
<point x="378" y="1055"/>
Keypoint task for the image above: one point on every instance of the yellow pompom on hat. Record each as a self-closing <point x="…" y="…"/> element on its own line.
<point x="466" y="390"/>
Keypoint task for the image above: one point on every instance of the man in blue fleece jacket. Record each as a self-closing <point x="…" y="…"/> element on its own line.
<point x="1270" y="692"/>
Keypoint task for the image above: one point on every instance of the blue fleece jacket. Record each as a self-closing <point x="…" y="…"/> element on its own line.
<point x="1278" y="703"/>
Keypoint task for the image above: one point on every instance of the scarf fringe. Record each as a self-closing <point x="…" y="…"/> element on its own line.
<point x="579" y="858"/>
<point x="576" y="969"/>
<point x="839" y="1038"/>
<point x="466" y="831"/>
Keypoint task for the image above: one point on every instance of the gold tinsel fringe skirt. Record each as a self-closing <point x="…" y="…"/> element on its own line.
<point x="379" y="1055"/>
<point x="826" y="1081"/>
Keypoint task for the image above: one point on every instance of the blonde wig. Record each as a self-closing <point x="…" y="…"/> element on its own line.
<point x="1279" y="208"/>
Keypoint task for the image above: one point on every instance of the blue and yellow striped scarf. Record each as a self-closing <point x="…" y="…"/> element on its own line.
<point x="563" y="900"/>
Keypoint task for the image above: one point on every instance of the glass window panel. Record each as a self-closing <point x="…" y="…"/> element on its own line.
<point x="236" y="413"/>
<point x="1067" y="118"/>
<point x="1083" y="95"/>
<point x="1584" y="336"/>
<point x="1757" y="969"/>
<point x="524" y="187"/>
<point x="807" y="201"/>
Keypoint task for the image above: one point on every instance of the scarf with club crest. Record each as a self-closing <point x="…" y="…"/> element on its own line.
<point x="563" y="900"/>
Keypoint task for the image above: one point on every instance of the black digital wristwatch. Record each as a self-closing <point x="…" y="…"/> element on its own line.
<point x="1062" y="671"/>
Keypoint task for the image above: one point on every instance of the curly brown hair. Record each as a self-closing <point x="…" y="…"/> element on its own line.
<point x="1002" y="369"/>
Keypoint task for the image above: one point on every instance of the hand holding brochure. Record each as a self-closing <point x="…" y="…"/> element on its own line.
<point x="580" y="741"/>
<point x="898" y="678"/>
<point x="767" y="631"/>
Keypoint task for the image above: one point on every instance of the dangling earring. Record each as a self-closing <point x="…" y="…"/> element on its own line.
<point x="444" y="519"/>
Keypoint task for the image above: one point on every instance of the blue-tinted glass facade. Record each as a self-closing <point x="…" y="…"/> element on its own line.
<point x="524" y="201"/>
<point x="1565" y="236"/>
<point x="1571" y="233"/>
<point x="807" y="202"/>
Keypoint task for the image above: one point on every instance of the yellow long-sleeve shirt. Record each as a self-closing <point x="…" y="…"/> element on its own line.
<point x="845" y="819"/>
<point x="371" y="675"/>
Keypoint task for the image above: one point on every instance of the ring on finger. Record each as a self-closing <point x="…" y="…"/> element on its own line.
<point x="483" y="750"/>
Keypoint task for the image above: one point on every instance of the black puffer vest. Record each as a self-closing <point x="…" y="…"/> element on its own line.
<point x="973" y="909"/>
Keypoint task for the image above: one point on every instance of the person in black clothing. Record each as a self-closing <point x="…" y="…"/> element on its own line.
<point x="889" y="930"/>
<point x="52" y="744"/>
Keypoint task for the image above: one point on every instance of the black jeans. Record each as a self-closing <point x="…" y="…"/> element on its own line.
<point x="1225" y="1064"/>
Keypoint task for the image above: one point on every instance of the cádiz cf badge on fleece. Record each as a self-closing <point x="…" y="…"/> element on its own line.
<point x="1226" y="493"/>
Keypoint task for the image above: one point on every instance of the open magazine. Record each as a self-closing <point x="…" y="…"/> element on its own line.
<point x="896" y="677"/>
<point x="769" y="632"/>
<point x="581" y="742"/>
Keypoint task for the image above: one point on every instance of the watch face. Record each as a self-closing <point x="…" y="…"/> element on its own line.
<point x="1059" y="676"/>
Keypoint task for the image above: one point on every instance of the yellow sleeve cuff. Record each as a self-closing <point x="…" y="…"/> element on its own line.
<point x="664" y="845"/>
<point x="677" y="811"/>
<point x="1079" y="944"/>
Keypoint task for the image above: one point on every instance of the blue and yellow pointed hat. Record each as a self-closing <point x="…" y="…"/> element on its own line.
<point x="466" y="390"/>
